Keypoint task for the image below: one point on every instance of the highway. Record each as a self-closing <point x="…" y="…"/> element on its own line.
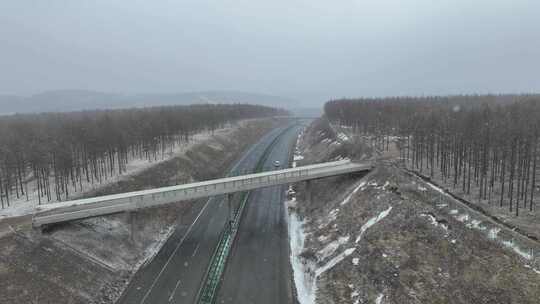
<point x="177" y="271"/>
<point x="258" y="270"/>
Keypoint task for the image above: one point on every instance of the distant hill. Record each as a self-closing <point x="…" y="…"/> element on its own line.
<point x="74" y="100"/>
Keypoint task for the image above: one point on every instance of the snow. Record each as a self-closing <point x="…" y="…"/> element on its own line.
<point x="533" y="269"/>
<point x="476" y="225"/>
<point x="303" y="280"/>
<point x="20" y="207"/>
<point x="348" y="198"/>
<point x="517" y="249"/>
<point x="342" y="136"/>
<point x="333" y="262"/>
<point x="291" y="203"/>
<point x="373" y="184"/>
<point x="441" y="191"/>
<point x="329" y="249"/>
<point x="298" y="157"/>
<point x="493" y="233"/>
<point x="332" y="216"/>
<point x="323" y="238"/>
<point x="372" y="221"/>
<point x="433" y="221"/>
<point x="355" y="261"/>
<point x="379" y="299"/>
<point x="463" y="218"/>
<point x="151" y="251"/>
<point x="123" y="257"/>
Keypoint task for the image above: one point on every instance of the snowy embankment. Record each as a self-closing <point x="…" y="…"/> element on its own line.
<point x="22" y="206"/>
<point x="305" y="272"/>
<point x="487" y="227"/>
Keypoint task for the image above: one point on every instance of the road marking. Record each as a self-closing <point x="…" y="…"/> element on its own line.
<point x="174" y="290"/>
<point x="195" y="251"/>
<point x="174" y="252"/>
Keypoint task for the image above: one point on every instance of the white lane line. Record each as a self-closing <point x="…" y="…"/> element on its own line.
<point x="174" y="291"/>
<point x="195" y="251"/>
<point x="174" y="252"/>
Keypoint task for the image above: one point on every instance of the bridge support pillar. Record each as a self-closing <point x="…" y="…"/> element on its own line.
<point x="132" y="217"/>
<point x="309" y="195"/>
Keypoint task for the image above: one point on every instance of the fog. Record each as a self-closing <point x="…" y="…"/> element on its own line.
<point x="307" y="50"/>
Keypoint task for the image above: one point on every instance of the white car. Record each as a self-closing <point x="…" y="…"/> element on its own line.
<point x="277" y="163"/>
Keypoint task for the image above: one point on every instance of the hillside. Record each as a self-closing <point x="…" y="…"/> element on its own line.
<point x="74" y="100"/>
<point x="391" y="237"/>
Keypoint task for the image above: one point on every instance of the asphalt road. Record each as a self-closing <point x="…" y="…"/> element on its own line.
<point x="258" y="270"/>
<point x="176" y="272"/>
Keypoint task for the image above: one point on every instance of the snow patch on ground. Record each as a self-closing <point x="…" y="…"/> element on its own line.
<point x="329" y="249"/>
<point x="151" y="251"/>
<point x="333" y="262"/>
<point x="493" y="232"/>
<point x="348" y="198"/>
<point x="342" y="136"/>
<point x="476" y="225"/>
<point x="327" y="141"/>
<point x="517" y="249"/>
<point x="323" y="238"/>
<point x="532" y="268"/>
<point x="434" y="221"/>
<point x="303" y="279"/>
<point x="441" y="191"/>
<point x="372" y="221"/>
<point x="379" y="299"/>
<point x="298" y="157"/>
<point x="463" y="218"/>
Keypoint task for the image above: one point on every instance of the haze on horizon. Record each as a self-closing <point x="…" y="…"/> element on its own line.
<point x="308" y="50"/>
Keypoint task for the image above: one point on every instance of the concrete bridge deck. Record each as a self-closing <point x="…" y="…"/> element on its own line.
<point x="130" y="201"/>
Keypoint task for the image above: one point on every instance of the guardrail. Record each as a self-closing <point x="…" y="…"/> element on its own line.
<point x="216" y="267"/>
<point x="109" y="204"/>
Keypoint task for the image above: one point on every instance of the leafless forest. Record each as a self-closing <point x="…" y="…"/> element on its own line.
<point x="486" y="144"/>
<point x="61" y="149"/>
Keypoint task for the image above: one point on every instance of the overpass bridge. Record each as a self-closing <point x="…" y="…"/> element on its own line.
<point x="131" y="201"/>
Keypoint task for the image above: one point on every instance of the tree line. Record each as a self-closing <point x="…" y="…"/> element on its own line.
<point x="486" y="144"/>
<point x="57" y="152"/>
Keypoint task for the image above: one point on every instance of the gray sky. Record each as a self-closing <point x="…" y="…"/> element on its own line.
<point x="311" y="50"/>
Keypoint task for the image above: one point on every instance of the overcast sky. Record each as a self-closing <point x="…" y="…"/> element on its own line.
<point x="310" y="50"/>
